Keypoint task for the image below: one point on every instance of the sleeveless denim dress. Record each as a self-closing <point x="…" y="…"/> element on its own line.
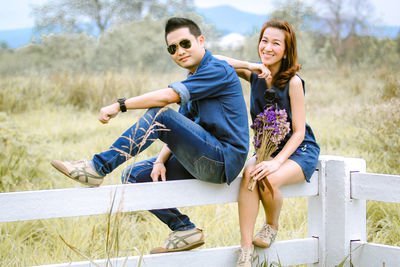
<point x="306" y="155"/>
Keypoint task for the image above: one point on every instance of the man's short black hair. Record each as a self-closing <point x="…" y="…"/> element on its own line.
<point x="176" y="23"/>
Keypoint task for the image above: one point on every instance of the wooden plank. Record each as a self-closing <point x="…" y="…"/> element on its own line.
<point x="372" y="255"/>
<point x="373" y="186"/>
<point x="291" y="252"/>
<point x="45" y="204"/>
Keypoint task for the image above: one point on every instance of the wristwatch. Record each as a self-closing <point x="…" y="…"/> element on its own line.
<point x="122" y="106"/>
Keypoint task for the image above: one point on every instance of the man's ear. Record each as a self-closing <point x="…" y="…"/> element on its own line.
<point x="201" y="40"/>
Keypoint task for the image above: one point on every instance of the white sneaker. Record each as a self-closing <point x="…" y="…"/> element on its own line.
<point x="265" y="237"/>
<point x="180" y="241"/>
<point x="246" y="257"/>
<point x="79" y="171"/>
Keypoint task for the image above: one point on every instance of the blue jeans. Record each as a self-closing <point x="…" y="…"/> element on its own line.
<point x="196" y="154"/>
<point x="140" y="172"/>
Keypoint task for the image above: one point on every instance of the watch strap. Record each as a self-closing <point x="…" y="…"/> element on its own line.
<point x="122" y="105"/>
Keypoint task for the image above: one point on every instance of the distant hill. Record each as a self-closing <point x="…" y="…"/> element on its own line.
<point x="386" y="31"/>
<point x="226" y="19"/>
<point x="16" y="38"/>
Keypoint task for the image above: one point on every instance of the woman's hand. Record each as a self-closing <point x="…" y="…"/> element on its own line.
<point x="265" y="168"/>
<point x="158" y="170"/>
<point x="260" y="69"/>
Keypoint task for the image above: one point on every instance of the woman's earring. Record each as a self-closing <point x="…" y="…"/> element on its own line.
<point x="284" y="57"/>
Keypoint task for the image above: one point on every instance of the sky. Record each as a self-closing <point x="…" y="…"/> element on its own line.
<point x="15" y="14"/>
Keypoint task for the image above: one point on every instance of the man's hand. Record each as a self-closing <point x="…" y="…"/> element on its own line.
<point x="260" y="69"/>
<point x="158" y="170"/>
<point x="108" y="112"/>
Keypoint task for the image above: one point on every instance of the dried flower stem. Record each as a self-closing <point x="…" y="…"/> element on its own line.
<point x="270" y="128"/>
<point x="262" y="154"/>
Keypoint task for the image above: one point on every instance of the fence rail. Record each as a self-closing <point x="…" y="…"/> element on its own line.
<point x="45" y="204"/>
<point x="336" y="195"/>
<point x="290" y="252"/>
<point x="375" y="186"/>
<point x="370" y="254"/>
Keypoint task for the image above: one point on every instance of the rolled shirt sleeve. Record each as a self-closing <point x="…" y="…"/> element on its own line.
<point x="182" y="91"/>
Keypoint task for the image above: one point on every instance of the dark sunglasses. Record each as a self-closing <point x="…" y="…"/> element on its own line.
<point x="185" y="43"/>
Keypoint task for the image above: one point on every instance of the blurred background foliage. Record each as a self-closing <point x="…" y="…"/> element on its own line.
<point x="51" y="90"/>
<point x="120" y="35"/>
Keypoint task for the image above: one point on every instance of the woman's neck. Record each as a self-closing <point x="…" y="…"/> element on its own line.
<point x="274" y="69"/>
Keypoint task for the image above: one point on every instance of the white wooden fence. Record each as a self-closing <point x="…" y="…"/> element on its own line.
<point x="336" y="195"/>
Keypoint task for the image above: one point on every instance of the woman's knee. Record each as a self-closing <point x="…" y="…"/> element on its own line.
<point x="269" y="186"/>
<point x="246" y="173"/>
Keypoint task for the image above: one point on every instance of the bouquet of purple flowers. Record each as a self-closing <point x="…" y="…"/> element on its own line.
<point x="270" y="128"/>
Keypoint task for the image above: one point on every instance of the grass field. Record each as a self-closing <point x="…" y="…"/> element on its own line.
<point x="354" y="113"/>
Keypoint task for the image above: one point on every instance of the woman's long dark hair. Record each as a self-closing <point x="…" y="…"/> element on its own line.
<point x="289" y="65"/>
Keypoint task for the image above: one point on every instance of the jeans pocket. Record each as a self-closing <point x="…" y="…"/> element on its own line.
<point x="210" y="170"/>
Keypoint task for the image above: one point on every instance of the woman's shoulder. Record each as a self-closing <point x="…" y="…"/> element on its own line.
<point x="296" y="81"/>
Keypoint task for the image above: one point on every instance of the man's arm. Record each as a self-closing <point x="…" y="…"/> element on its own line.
<point x="159" y="98"/>
<point x="158" y="166"/>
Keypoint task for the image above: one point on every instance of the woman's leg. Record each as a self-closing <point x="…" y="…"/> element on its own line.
<point x="289" y="173"/>
<point x="248" y="206"/>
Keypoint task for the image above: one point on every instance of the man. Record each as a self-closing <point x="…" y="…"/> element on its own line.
<point x="207" y="139"/>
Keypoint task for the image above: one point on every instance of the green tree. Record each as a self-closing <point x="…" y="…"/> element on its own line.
<point x="303" y="19"/>
<point x="94" y="16"/>
<point x="136" y="45"/>
<point x="4" y="45"/>
<point x="398" y="42"/>
<point x="343" y="20"/>
<point x="298" y="13"/>
<point x="140" y="45"/>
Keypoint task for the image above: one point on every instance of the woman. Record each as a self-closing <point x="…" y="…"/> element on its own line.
<point x="297" y="155"/>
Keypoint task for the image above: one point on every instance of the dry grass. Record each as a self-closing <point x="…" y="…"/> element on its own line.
<point x="351" y="112"/>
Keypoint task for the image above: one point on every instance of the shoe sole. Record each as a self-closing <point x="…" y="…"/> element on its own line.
<point x="61" y="168"/>
<point x="188" y="247"/>
<point x="261" y="244"/>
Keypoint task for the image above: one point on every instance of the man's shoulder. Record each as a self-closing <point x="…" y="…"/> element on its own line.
<point x="218" y="67"/>
<point x="220" y="63"/>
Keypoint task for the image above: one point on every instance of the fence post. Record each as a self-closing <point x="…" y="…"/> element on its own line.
<point x="317" y="214"/>
<point x="343" y="219"/>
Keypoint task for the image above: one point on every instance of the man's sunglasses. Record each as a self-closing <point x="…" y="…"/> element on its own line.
<point x="185" y="43"/>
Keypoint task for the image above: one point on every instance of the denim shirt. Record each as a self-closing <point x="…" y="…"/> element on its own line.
<point x="213" y="98"/>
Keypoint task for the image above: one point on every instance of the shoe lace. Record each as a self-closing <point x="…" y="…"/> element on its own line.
<point x="244" y="256"/>
<point x="82" y="161"/>
<point x="265" y="230"/>
<point x="267" y="233"/>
